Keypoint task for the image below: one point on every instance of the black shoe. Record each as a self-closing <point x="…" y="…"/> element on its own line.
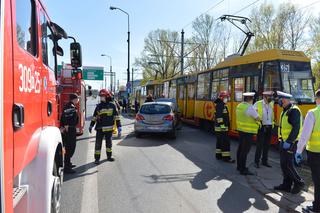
<point x="70" y="165"/>
<point x="110" y="159"/>
<point x="297" y="188"/>
<point x="229" y="160"/>
<point x="97" y="162"/>
<point x="282" y="187"/>
<point x="68" y="170"/>
<point x="257" y="165"/>
<point x="266" y="164"/>
<point x="246" y="172"/>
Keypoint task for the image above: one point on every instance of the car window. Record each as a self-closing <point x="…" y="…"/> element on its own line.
<point x="155" y="109"/>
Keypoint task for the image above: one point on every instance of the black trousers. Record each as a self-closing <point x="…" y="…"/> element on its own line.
<point x="100" y="135"/>
<point x="223" y="146"/>
<point x="290" y="174"/>
<point x="69" y="141"/>
<point x="314" y="163"/>
<point x="243" y="150"/>
<point x="263" y="143"/>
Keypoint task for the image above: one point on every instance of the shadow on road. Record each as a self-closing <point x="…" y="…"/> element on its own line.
<point x="145" y="140"/>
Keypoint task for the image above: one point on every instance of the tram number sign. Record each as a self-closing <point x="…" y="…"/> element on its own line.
<point x="208" y="110"/>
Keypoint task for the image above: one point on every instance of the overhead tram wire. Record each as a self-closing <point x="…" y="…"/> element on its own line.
<point x="246" y="7"/>
<point x="214" y="6"/>
<point x="309" y="5"/>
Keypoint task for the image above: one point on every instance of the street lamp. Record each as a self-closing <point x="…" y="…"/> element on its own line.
<point x="128" y="69"/>
<point x="110" y="58"/>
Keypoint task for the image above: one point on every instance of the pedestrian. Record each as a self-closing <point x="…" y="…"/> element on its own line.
<point x="310" y="136"/>
<point x="136" y="105"/>
<point x="124" y="105"/>
<point x="68" y="123"/>
<point x="289" y="132"/>
<point x="265" y="109"/>
<point x="104" y="116"/>
<point x="222" y="124"/>
<point x="149" y="98"/>
<point x="247" y="120"/>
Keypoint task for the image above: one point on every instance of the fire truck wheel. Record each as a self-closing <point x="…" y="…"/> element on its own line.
<point x="56" y="191"/>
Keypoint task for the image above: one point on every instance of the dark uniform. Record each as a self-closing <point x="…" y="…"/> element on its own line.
<point x="221" y="129"/>
<point x="289" y="129"/>
<point x="104" y="116"/>
<point x="69" y="118"/>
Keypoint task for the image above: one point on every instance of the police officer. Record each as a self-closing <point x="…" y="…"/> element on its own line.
<point x="222" y="124"/>
<point x="68" y="123"/>
<point x="104" y="116"/>
<point x="247" y="120"/>
<point x="310" y="136"/>
<point x="289" y="132"/>
<point x="264" y="108"/>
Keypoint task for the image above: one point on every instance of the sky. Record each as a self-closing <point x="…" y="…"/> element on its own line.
<point x="104" y="31"/>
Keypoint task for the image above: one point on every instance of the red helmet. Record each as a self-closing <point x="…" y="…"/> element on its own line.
<point x="105" y="93"/>
<point x="223" y="94"/>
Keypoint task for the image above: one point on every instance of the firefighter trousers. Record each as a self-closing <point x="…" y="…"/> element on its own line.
<point x="245" y="140"/>
<point x="290" y="174"/>
<point x="314" y="163"/>
<point x="69" y="141"/>
<point x="100" y="135"/>
<point x="263" y="143"/>
<point x="223" y="146"/>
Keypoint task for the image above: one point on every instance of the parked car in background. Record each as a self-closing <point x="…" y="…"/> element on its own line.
<point x="156" y="117"/>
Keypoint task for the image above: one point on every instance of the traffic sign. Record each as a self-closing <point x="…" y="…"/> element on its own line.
<point x="93" y="73"/>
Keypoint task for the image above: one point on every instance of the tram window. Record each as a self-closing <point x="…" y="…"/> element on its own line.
<point x="191" y="91"/>
<point x="224" y="73"/>
<point x="271" y="77"/>
<point x="224" y="85"/>
<point x="215" y="75"/>
<point x="248" y="84"/>
<point x="214" y="89"/>
<point x="203" y="86"/>
<point x="238" y="88"/>
<point x="181" y="91"/>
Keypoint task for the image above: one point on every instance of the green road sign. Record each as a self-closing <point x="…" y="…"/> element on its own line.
<point x="93" y="73"/>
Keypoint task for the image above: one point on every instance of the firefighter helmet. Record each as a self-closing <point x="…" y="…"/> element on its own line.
<point x="104" y="93"/>
<point x="223" y="94"/>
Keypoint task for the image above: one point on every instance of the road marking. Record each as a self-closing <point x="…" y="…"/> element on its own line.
<point x="90" y="186"/>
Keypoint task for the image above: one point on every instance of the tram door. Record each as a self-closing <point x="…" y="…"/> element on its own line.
<point x="189" y="100"/>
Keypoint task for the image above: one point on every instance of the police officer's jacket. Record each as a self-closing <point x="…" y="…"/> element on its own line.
<point x="221" y="116"/>
<point x="104" y="116"/>
<point x="294" y="119"/>
<point x="69" y="116"/>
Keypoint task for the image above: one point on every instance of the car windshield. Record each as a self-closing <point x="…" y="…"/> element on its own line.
<point x="297" y="80"/>
<point x="155" y="109"/>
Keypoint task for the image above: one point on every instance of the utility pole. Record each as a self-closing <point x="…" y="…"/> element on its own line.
<point x="111" y="78"/>
<point x="132" y="82"/>
<point x="182" y="53"/>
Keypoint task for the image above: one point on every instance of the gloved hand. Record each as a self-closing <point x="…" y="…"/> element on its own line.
<point x="119" y="131"/>
<point x="298" y="157"/>
<point x="286" y="145"/>
<point x="90" y="129"/>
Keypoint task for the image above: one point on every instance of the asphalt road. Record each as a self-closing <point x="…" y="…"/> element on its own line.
<point x="156" y="174"/>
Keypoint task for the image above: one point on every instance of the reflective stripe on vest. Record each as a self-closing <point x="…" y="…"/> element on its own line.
<point x="285" y="127"/>
<point x="313" y="144"/>
<point x="260" y="110"/>
<point x="244" y="122"/>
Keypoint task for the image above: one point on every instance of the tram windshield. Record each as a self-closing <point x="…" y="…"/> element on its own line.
<point x="297" y="80"/>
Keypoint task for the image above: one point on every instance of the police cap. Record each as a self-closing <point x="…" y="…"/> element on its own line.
<point x="249" y="94"/>
<point x="283" y="95"/>
<point x="267" y="93"/>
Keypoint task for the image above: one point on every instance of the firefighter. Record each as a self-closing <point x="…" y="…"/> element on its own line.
<point x="264" y="108"/>
<point x="68" y="123"/>
<point x="310" y="136"/>
<point x="222" y="124"/>
<point x="289" y="132"/>
<point x="247" y="120"/>
<point x="104" y="116"/>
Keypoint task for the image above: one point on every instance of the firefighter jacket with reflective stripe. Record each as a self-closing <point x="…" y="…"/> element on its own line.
<point x="313" y="144"/>
<point x="290" y="125"/>
<point x="221" y="116"/>
<point x="104" y="116"/>
<point x="69" y="116"/>
<point x="245" y="123"/>
<point x="260" y="110"/>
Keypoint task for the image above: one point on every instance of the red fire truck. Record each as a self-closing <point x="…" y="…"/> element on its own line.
<point x="31" y="151"/>
<point x="71" y="82"/>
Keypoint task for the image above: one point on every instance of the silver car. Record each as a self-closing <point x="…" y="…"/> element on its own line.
<point x="156" y="117"/>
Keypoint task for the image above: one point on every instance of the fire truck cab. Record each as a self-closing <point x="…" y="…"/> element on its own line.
<point x="31" y="149"/>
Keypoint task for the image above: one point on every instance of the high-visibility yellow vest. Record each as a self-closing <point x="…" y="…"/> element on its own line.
<point x="313" y="144"/>
<point x="260" y="110"/>
<point x="285" y="127"/>
<point x="244" y="122"/>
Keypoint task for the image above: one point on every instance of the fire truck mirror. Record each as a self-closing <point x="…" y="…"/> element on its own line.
<point x="59" y="50"/>
<point x="75" y="55"/>
<point x="58" y="31"/>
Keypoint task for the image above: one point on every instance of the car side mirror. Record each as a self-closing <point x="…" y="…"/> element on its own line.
<point x="75" y="55"/>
